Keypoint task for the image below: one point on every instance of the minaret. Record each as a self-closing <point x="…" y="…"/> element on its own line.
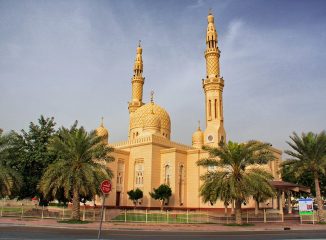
<point x="137" y="83"/>
<point x="213" y="88"/>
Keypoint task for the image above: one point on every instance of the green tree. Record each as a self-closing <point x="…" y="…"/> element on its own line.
<point x="80" y="167"/>
<point x="29" y="155"/>
<point x="305" y="179"/>
<point x="162" y="193"/>
<point x="237" y="175"/>
<point x="135" y="195"/>
<point x="10" y="180"/>
<point x="308" y="155"/>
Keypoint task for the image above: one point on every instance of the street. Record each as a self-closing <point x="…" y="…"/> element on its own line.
<point x="23" y="232"/>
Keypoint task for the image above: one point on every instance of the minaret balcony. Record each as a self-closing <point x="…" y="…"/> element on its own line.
<point x="213" y="82"/>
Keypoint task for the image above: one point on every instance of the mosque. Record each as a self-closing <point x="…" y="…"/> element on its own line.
<point x="148" y="158"/>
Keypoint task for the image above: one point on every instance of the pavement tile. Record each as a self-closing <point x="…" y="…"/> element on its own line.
<point x="163" y="227"/>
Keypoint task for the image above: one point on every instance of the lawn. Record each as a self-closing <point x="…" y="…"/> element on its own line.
<point x="161" y="217"/>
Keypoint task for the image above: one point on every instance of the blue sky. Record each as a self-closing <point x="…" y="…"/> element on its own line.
<point x="73" y="60"/>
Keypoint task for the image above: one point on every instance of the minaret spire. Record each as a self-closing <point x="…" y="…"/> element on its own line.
<point x="213" y="86"/>
<point x="137" y="81"/>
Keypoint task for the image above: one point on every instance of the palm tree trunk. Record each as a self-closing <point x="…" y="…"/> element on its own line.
<point x="238" y="215"/>
<point x="256" y="207"/>
<point x="320" y="204"/>
<point x="75" y="205"/>
<point x="225" y="209"/>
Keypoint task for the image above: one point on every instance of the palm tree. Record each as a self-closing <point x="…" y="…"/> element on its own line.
<point x="80" y="167"/>
<point x="262" y="195"/>
<point x="10" y="180"/>
<point x="237" y="175"/>
<point x="308" y="154"/>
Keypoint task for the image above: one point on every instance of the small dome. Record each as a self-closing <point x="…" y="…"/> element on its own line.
<point x="198" y="137"/>
<point x="210" y="18"/>
<point x="101" y="131"/>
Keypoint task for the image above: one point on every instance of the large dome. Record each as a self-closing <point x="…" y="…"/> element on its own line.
<point x="145" y="112"/>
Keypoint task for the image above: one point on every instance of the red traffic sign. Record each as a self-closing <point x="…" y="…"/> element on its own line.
<point x="106" y="186"/>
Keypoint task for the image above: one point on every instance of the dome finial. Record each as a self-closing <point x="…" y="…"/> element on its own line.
<point x="199" y="126"/>
<point x="152" y="102"/>
<point x="102" y="120"/>
<point x="152" y="96"/>
<point x="139" y="42"/>
<point x="210" y="11"/>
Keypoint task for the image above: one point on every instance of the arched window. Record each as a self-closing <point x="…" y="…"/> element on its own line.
<point x="167" y="174"/>
<point x="209" y="108"/>
<point x="139" y="173"/>
<point x="181" y="179"/>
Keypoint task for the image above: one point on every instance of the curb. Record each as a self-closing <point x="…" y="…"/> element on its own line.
<point x="107" y="228"/>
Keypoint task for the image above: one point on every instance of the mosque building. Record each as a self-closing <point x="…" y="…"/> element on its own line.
<point x="148" y="158"/>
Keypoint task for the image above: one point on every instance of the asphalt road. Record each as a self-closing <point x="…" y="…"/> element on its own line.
<point x="19" y="232"/>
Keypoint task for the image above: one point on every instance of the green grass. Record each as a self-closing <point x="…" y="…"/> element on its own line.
<point x="72" y="221"/>
<point x="239" y="225"/>
<point x="162" y="217"/>
<point x="322" y="223"/>
<point x="12" y="209"/>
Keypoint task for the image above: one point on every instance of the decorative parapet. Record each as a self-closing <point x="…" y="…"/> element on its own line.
<point x="135" y="141"/>
<point x="171" y="144"/>
<point x="151" y="139"/>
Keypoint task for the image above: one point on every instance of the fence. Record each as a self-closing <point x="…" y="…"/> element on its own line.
<point x="309" y="218"/>
<point x="28" y="210"/>
<point x="154" y="216"/>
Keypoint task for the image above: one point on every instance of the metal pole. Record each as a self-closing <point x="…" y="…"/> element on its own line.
<point x="99" y="231"/>
<point x="3" y="204"/>
<point x="22" y="213"/>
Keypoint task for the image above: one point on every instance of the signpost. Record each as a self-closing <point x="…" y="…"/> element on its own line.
<point x="106" y="187"/>
<point x="306" y="206"/>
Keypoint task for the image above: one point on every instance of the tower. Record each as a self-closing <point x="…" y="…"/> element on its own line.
<point x="213" y="88"/>
<point x="137" y="83"/>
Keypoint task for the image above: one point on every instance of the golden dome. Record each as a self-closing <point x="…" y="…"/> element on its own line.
<point x="198" y="137"/>
<point x="152" y="120"/>
<point x="101" y="131"/>
<point x="144" y="113"/>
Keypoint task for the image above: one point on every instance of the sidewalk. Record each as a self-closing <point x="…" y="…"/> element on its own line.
<point x="162" y="227"/>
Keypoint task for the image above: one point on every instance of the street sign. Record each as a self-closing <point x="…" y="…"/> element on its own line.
<point x="106" y="186"/>
<point x="306" y="206"/>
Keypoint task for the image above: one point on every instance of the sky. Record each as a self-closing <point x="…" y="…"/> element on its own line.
<point x="73" y="60"/>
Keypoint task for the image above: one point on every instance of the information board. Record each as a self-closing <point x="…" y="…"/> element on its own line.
<point x="306" y="206"/>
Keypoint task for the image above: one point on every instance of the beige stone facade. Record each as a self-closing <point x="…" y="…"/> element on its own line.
<point x="149" y="158"/>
